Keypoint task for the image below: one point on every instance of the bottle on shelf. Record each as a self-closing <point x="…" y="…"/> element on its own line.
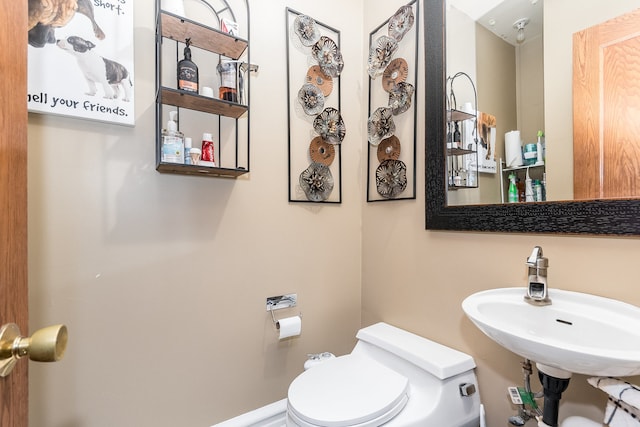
<point x="187" y="148"/>
<point x="457" y="137"/>
<point x="228" y="81"/>
<point x="537" y="190"/>
<point x="528" y="192"/>
<point x="540" y="148"/>
<point x="513" y="189"/>
<point x="187" y="71"/>
<point x="172" y="141"/>
<point x="208" y="151"/>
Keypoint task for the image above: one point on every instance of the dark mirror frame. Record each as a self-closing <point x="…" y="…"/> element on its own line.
<point x="611" y="217"/>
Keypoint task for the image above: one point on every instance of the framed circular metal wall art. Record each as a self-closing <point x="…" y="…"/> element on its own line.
<point x="317" y="77"/>
<point x="315" y="127"/>
<point x="392" y="105"/>
<point x="311" y="98"/>
<point x="317" y="182"/>
<point x="400" y="98"/>
<point x="330" y="126"/>
<point x="391" y="178"/>
<point x="329" y="57"/>
<point x="380" y="125"/>
<point x="306" y="28"/>
<point x="380" y="54"/>
<point x="401" y="22"/>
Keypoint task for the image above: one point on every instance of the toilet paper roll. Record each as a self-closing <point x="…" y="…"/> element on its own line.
<point x="289" y="326"/>
<point x="513" y="149"/>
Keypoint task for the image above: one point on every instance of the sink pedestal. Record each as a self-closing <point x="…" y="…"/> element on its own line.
<point x="554" y="382"/>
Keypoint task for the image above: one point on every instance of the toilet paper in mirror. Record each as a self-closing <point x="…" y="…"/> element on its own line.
<point x="513" y="149"/>
<point x="289" y="326"/>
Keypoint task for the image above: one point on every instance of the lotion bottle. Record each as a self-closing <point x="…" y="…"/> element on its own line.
<point x="172" y="141"/>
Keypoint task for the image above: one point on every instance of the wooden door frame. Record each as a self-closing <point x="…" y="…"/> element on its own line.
<point x="13" y="200"/>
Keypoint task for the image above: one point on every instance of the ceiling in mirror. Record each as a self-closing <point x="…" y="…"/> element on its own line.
<point x="505" y="17"/>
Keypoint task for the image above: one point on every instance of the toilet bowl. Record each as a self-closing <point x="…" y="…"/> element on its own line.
<point x="392" y="378"/>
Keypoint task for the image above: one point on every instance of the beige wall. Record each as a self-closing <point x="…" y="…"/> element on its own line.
<point x="162" y="279"/>
<point x="497" y="95"/>
<point x="417" y="280"/>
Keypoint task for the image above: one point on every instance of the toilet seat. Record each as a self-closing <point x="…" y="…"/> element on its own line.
<point x="350" y="390"/>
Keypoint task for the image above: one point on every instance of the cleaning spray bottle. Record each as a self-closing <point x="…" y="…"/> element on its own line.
<point x="513" y="189"/>
<point x="172" y="141"/>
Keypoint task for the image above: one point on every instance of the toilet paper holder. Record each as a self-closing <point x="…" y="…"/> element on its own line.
<point x="280" y="302"/>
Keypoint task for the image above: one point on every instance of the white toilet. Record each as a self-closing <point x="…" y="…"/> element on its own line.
<point x="393" y="378"/>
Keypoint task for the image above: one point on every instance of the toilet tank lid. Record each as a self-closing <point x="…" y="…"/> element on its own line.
<point x="441" y="361"/>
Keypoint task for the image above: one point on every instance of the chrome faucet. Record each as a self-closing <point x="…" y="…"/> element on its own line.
<point x="537" y="292"/>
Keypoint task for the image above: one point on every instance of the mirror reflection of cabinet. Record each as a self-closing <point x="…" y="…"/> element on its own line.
<point x="462" y="153"/>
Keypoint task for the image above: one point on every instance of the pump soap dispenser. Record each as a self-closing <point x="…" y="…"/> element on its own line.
<point x="172" y="141"/>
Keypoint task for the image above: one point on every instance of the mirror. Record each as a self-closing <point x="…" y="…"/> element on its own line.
<point x="512" y="89"/>
<point x="620" y="216"/>
<point x="507" y="72"/>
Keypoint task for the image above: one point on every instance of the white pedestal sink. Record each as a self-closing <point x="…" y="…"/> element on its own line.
<point x="578" y="333"/>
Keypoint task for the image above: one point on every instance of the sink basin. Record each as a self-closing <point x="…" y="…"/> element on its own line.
<point x="578" y="333"/>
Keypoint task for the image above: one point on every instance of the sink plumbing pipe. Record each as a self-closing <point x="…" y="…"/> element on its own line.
<point x="525" y="414"/>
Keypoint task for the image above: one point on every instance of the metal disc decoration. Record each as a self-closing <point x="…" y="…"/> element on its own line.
<point x="380" y="125"/>
<point x="330" y="126"/>
<point x="326" y="52"/>
<point x="401" y="22"/>
<point x="311" y="99"/>
<point x="305" y="27"/>
<point x="389" y="149"/>
<point x="321" y="151"/>
<point x="396" y="72"/>
<point x="391" y="178"/>
<point x="400" y="98"/>
<point x="317" y="77"/>
<point x="380" y="55"/>
<point x="317" y="182"/>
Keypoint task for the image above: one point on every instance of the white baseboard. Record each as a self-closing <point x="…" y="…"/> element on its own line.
<point x="272" y="415"/>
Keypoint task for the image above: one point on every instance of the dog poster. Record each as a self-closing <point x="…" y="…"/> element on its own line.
<point x="487" y="149"/>
<point x="80" y="59"/>
<point x="481" y="139"/>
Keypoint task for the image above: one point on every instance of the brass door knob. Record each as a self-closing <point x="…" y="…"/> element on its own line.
<point x="45" y="345"/>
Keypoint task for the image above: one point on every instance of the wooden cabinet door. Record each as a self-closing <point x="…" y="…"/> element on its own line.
<point x="13" y="199"/>
<point x="606" y="109"/>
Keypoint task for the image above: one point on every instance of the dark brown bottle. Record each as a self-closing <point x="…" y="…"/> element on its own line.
<point x="187" y="71"/>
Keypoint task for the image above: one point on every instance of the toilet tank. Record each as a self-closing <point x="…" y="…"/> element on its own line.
<point x="440" y="361"/>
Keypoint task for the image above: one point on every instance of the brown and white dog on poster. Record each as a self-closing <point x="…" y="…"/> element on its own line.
<point x="98" y="70"/>
<point x="47" y="15"/>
